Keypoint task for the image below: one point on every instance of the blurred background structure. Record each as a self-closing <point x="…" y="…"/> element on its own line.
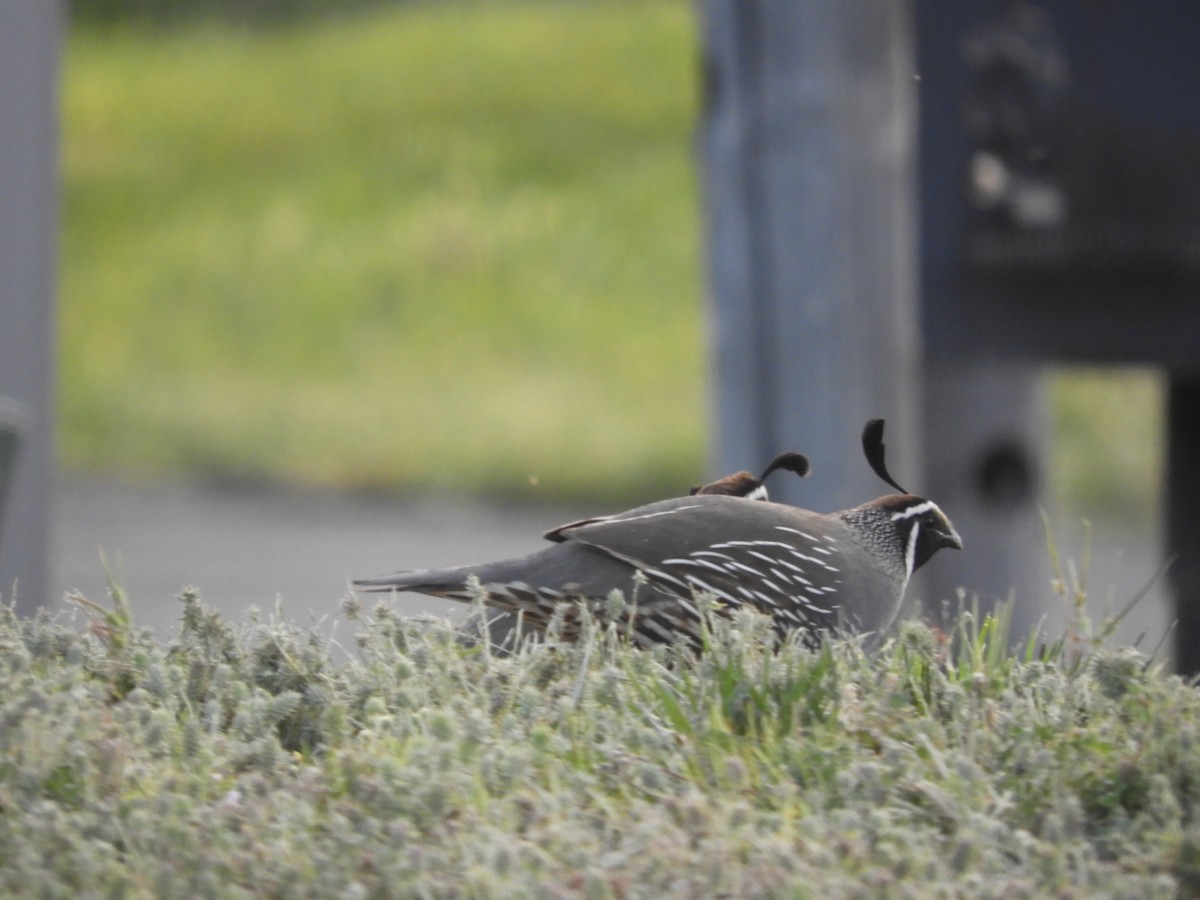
<point x="1071" y="230"/>
<point x="29" y="62"/>
<point x="452" y="258"/>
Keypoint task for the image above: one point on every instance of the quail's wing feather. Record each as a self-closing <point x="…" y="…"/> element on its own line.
<point x="573" y="530"/>
<point x="778" y="559"/>
<point x="670" y="528"/>
<point x="559" y="534"/>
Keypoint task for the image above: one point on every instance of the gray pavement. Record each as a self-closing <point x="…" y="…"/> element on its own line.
<point x="253" y="546"/>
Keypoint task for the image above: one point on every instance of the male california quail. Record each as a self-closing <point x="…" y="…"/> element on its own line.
<point x="843" y="571"/>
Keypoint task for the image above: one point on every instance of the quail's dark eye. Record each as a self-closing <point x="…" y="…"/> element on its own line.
<point x="937" y="525"/>
<point x="933" y="524"/>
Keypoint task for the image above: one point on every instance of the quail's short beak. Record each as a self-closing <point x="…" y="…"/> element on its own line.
<point x="943" y="534"/>
<point x="949" y="537"/>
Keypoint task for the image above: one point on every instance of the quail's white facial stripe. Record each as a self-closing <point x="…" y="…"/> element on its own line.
<point x="919" y="510"/>
<point x="759" y="493"/>
<point x="910" y="552"/>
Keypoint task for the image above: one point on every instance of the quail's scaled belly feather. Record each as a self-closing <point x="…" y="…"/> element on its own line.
<point x="812" y="572"/>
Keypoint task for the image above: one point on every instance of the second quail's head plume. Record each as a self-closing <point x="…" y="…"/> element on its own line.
<point x="743" y="484"/>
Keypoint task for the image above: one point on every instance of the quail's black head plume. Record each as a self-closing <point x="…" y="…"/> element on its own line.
<point x="810" y="571"/>
<point x="872" y="441"/>
<point x="743" y="484"/>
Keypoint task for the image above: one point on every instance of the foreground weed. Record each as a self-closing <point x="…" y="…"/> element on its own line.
<point x="1084" y="638"/>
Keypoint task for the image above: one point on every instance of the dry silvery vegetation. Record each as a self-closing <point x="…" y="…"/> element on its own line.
<point x="262" y="761"/>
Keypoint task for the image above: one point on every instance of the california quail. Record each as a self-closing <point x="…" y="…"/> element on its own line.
<point x="843" y="571"/>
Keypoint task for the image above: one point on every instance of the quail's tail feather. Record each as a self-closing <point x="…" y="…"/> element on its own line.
<point x="572" y="567"/>
<point x="423" y="581"/>
<point x="533" y="586"/>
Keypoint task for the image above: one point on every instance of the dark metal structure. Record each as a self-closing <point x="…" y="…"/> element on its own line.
<point x="1060" y="181"/>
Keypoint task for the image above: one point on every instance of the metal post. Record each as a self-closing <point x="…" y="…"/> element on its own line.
<point x="29" y="50"/>
<point x="808" y="140"/>
<point x="1183" y="522"/>
<point x="985" y="462"/>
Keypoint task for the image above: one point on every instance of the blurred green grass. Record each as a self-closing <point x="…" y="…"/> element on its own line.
<point x="448" y="246"/>
<point x="1107" y="458"/>
<point x="445" y="246"/>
